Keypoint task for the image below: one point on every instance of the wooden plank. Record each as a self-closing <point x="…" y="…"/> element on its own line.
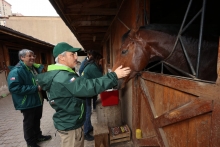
<point x="135" y="108"/>
<point x="101" y="140"/>
<point x="189" y="110"/>
<point x="146" y="124"/>
<point x="91" y="11"/>
<point x="101" y="135"/>
<point x="215" y="125"/>
<point x="176" y="134"/>
<point x="158" y="93"/>
<point x="208" y="91"/>
<point x="91" y="23"/>
<point x="73" y="5"/>
<point x="91" y="29"/>
<point x="199" y="131"/>
<point x="161" y="139"/>
<point x="151" y="141"/>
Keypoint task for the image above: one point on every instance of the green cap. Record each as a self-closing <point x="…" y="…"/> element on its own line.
<point x="62" y="47"/>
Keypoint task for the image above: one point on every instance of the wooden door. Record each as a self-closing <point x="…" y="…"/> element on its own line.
<point x="176" y="112"/>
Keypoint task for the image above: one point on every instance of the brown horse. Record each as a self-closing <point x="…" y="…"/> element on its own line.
<point x="155" y="44"/>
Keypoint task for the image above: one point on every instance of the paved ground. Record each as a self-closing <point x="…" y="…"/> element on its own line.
<point x="11" y="130"/>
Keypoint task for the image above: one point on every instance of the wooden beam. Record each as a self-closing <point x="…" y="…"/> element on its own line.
<point x="90" y="23"/>
<point x="91" y="11"/>
<point x="208" y="91"/>
<point x="152" y="141"/>
<point x="91" y="29"/>
<point x="92" y="18"/>
<point x="90" y="4"/>
<point x="91" y="38"/>
<point x="187" y="111"/>
<point x="81" y="35"/>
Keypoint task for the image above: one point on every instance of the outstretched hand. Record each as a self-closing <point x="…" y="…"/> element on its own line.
<point x="122" y="72"/>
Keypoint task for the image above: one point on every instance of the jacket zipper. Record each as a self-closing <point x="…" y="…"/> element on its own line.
<point x="36" y="84"/>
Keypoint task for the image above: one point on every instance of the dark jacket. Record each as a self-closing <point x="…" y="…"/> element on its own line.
<point x="23" y="87"/>
<point x="67" y="92"/>
<point x="91" y="71"/>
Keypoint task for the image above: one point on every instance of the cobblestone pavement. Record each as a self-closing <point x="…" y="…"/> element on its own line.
<point x="11" y="129"/>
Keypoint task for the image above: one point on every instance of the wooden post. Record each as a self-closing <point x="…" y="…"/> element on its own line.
<point x="101" y="135"/>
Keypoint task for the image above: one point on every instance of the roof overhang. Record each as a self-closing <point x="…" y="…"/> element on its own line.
<point x="88" y="20"/>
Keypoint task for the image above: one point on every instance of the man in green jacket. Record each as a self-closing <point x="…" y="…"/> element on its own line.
<point x="26" y="95"/>
<point x="67" y="92"/>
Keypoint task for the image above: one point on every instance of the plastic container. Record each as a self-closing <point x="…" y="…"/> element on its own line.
<point x="109" y="98"/>
<point x="138" y="134"/>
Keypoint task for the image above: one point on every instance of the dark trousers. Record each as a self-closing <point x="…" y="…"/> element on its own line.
<point x="87" y="124"/>
<point x="31" y="124"/>
<point x="94" y="102"/>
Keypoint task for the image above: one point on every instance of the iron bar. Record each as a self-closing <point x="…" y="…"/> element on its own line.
<point x="184" y="19"/>
<point x="183" y="72"/>
<point x="200" y="38"/>
<point x="154" y="65"/>
<point x="187" y="57"/>
<point x="191" y="20"/>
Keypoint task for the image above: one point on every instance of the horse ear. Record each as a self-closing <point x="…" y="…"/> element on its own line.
<point x="132" y="33"/>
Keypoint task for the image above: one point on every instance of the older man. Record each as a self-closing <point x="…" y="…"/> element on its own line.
<point x="67" y="92"/>
<point x="26" y="95"/>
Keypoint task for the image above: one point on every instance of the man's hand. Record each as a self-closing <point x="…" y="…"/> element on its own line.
<point x="39" y="88"/>
<point x="122" y="72"/>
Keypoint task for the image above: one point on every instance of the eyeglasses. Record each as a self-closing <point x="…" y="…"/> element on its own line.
<point x="33" y="56"/>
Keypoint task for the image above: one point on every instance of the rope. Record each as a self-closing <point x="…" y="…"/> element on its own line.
<point x="123" y="23"/>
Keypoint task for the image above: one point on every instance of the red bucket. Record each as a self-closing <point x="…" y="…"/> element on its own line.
<point x="109" y="98"/>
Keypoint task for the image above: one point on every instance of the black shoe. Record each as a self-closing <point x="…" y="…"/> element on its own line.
<point x="43" y="138"/>
<point x="91" y="130"/>
<point x="33" y="145"/>
<point x="88" y="137"/>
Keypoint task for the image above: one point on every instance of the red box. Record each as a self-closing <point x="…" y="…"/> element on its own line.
<point x="109" y="98"/>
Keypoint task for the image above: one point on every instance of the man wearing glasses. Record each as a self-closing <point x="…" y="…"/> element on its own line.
<point x="26" y="95"/>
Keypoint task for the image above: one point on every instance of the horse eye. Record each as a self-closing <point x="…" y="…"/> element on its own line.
<point x="124" y="51"/>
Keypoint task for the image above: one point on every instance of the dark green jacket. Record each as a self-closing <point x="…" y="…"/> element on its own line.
<point x="67" y="92"/>
<point x="23" y="88"/>
<point x="91" y="71"/>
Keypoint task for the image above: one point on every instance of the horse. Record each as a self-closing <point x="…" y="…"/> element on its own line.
<point x="155" y="43"/>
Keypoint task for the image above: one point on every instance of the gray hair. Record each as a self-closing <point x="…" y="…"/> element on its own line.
<point x="63" y="54"/>
<point x="23" y="52"/>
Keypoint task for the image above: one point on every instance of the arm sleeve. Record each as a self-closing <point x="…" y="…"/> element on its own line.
<point x="16" y="84"/>
<point x="83" y="87"/>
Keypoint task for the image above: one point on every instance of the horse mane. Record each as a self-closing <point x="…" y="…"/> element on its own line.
<point x="210" y="33"/>
<point x="165" y="28"/>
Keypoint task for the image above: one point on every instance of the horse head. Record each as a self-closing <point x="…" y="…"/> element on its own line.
<point x="134" y="53"/>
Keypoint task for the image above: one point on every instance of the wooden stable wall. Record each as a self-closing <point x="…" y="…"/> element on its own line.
<point x="170" y="111"/>
<point x="5" y="46"/>
<point x="176" y="112"/>
<point x="126" y="19"/>
<point x="130" y="16"/>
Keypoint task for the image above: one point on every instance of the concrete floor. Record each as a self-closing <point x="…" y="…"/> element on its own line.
<point x="11" y="129"/>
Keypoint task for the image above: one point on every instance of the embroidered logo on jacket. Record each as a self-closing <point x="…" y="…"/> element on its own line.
<point x="52" y="102"/>
<point x="71" y="80"/>
<point x="12" y="78"/>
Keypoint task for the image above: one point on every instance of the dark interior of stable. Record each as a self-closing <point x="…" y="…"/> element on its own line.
<point x="172" y="12"/>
